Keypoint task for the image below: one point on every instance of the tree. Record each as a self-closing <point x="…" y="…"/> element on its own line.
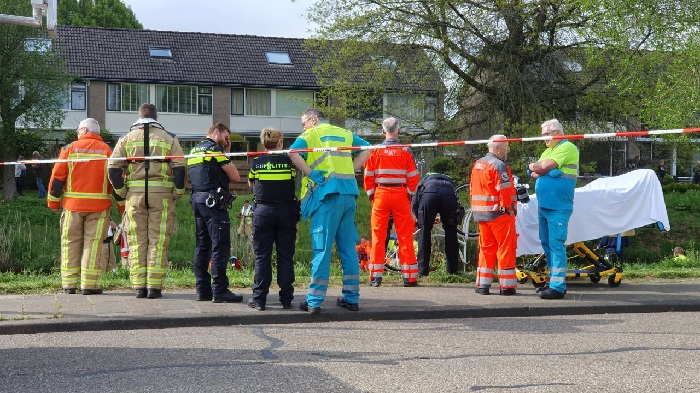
<point x="33" y="85"/>
<point x="509" y="63"/>
<point x="97" y="13"/>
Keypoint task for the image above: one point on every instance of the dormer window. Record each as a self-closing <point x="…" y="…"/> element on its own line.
<point x="278" y="57"/>
<point x="160" y="52"/>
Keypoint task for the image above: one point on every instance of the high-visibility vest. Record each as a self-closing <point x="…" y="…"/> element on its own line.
<point x="83" y="186"/>
<point x="491" y="188"/>
<point x="340" y="175"/>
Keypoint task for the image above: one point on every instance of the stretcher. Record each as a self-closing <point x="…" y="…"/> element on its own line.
<point x="604" y="206"/>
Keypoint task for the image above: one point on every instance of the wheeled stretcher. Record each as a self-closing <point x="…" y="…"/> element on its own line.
<point x="609" y="205"/>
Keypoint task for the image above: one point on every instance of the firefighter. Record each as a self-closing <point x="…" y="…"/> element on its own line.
<point x="86" y="195"/>
<point x="151" y="187"/>
<point x="390" y="180"/>
<point x="494" y="206"/>
<point x="328" y="194"/>
<point x="272" y="177"/>
<point x="436" y="196"/>
<point x="245" y="229"/>
<point x="556" y="173"/>
<point x="210" y="173"/>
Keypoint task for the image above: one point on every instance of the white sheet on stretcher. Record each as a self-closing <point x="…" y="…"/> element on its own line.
<point x="605" y="206"/>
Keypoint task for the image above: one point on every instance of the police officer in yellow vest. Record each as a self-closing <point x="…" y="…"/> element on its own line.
<point x="151" y="188"/>
<point x="210" y="173"/>
<point x="328" y="193"/>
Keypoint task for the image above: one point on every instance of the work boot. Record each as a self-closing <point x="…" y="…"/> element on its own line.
<point x="407" y="283"/>
<point x="377" y="282"/>
<point x="154" y="293"/>
<point x="304" y="306"/>
<point x="227" y="297"/>
<point x="204" y="296"/>
<point x="141" y="293"/>
<point x="481" y="290"/>
<point x="508" y="292"/>
<point x="97" y="291"/>
<point x="540" y="289"/>
<point x="253" y="304"/>
<point x="69" y="291"/>
<point x="550" y="293"/>
<point x="341" y="302"/>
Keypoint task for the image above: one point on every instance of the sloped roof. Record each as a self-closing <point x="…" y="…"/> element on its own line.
<point x="198" y="58"/>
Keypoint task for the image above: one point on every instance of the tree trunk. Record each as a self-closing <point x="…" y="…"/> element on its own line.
<point x="8" y="178"/>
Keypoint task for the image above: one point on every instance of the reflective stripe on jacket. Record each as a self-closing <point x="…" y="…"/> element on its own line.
<point x="391" y="166"/>
<point x="161" y="143"/>
<point x="340" y="175"/>
<point x="83" y="186"/>
<point x="491" y="188"/>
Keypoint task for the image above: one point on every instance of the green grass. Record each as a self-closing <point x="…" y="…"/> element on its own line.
<point x="30" y="257"/>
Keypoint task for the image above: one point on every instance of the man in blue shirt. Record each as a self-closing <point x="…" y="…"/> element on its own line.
<point x="328" y="194"/>
<point x="556" y="173"/>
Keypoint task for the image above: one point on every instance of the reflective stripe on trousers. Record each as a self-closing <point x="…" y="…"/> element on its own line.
<point x="498" y="242"/>
<point x="553" y="230"/>
<point x="82" y="241"/>
<point x="334" y="221"/>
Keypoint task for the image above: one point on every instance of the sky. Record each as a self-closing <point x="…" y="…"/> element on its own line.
<point x="271" y="18"/>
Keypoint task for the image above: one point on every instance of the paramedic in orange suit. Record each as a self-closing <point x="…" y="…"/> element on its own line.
<point x="494" y="205"/>
<point x="391" y="179"/>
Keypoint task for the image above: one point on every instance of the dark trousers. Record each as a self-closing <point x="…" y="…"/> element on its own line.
<point x="19" y="184"/>
<point x="430" y="205"/>
<point x="274" y="224"/>
<point x="213" y="243"/>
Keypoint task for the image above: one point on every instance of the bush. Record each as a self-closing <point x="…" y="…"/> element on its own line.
<point x="680" y="187"/>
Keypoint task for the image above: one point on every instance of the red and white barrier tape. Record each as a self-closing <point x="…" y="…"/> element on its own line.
<point x="372" y="147"/>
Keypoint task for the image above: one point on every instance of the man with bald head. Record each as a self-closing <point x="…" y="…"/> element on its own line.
<point x="494" y="206"/>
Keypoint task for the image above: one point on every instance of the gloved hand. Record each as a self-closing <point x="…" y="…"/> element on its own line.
<point x="317" y="176"/>
<point x="371" y="198"/>
<point x="121" y="208"/>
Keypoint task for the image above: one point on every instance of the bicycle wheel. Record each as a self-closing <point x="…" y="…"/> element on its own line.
<point x="468" y="231"/>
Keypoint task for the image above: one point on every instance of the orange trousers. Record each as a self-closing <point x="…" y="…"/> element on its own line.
<point x="393" y="201"/>
<point x="497" y="241"/>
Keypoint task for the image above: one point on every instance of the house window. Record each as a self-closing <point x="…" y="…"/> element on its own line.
<point x="77" y="97"/>
<point x="293" y="103"/>
<point x="37" y="44"/>
<point x="160" y="52"/>
<point x="204" y="101"/>
<point x="412" y="106"/>
<point x="126" y="97"/>
<point x="237" y="102"/>
<point x="370" y="107"/>
<point x="278" y="57"/>
<point x="258" y="102"/>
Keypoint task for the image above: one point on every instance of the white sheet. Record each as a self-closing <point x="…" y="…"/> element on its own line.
<point x="603" y="207"/>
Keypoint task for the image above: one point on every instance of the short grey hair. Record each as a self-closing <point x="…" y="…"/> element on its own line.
<point x="314" y="112"/>
<point x="91" y="125"/>
<point x="391" y="125"/>
<point x="553" y="125"/>
<point x="493" y="141"/>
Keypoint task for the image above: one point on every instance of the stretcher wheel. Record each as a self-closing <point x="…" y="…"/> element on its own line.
<point x="595" y="279"/>
<point x="614" y="281"/>
<point x="522" y="280"/>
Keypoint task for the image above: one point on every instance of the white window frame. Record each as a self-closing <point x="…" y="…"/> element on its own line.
<point x="133" y="89"/>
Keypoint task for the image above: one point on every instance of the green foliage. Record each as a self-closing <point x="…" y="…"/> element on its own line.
<point x="674" y="186"/>
<point x="97" y="13"/>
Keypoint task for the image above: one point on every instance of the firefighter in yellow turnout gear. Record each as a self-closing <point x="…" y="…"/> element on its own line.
<point x="83" y="191"/>
<point x="151" y="188"/>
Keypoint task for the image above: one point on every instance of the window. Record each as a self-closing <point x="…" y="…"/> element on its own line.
<point x="76" y="98"/>
<point x="37" y="44"/>
<point x="237" y="102"/>
<point x="258" y="102"/>
<point x="293" y="103"/>
<point x="126" y="97"/>
<point x="184" y="99"/>
<point x="412" y="106"/>
<point x="278" y="57"/>
<point x="369" y="106"/>
<point x="160" y="52"/>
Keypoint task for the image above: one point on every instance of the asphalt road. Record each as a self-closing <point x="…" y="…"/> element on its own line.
<point x="648" y="352"/>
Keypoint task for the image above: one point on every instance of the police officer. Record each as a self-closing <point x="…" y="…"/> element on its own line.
<point x="390" y="180"/>
<point x="275" y="220"/>
<point x="151" y="189"/>
<point x="436" y="195"/>
<point x="494" y="205"/>
<point x="210" y="173"/>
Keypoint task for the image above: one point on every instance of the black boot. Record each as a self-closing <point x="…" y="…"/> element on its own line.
<point x="141" y="293"/>
<point x="154" y="293"/>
